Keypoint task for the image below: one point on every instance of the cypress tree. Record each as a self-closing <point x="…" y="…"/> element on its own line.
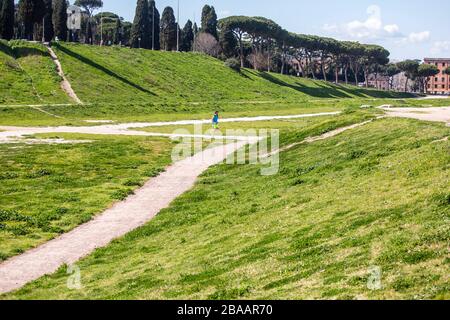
<point x="209" y="21"/>
<point x="168" y="30"/>
<point x="187" y="37"/>
<point x="27" y="17"/>
<point x="89" y="35"/>
<point x="141" y="26"/>
<point x="48" y="21"/>
<point x="6" y="19"/>
<point x="154" y="25"/>
<point x="117" y="38"/>
<point x="60" y="19"/>
<point x="195" y="29"/>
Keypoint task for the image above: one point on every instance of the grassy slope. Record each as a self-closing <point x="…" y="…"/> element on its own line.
<point x="123" y="75"/>
<point x="28" y="75"/>
<point x="75" y="114"/>
<point x="49" y="189"/>
<point x="374" y="196"/>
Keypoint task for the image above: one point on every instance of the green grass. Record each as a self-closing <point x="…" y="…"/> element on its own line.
<point x="74" y="115"/>
<point x="46" y="190"/>
<point x="123" y="75"/>
<point x="29" y="76"/>
<point x="373" y="196"/>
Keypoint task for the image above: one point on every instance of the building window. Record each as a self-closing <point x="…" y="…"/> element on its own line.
<point x="443" y="86"/>
<point x="435" y="86"/>
<point x="436" y="79"/>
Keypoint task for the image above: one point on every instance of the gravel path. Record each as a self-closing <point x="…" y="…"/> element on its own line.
<point x="65" y="84"/>
<point x="437" y="114"/>
<point x="115" y="222"/>
<point x="125" y="128"/>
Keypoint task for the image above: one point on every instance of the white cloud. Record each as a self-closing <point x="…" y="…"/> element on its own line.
<point x="373" y="28"/>
<point x="416" y="37"/>
<point x="440" y="47"/>
<point x="392" y="29"/>
<point x="369" y="28"/>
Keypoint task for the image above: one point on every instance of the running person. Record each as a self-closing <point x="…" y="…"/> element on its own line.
<point x="215" y="121"/>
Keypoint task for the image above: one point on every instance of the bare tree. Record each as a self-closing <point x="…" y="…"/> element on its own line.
<point x="206" y="43"/>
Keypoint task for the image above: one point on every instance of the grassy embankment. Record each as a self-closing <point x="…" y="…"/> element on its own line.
<point x="28" y="75"/>
<point x="373" y="196"/>
<point x="140" y="85"/>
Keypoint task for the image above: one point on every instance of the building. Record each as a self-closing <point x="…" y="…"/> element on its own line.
<point x="440" y="84"/>
<point x="379" y="82"/>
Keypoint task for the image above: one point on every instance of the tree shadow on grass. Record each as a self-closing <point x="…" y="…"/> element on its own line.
<point x="322" y="91"/>
<point x="20" y="49"/>
<point x="6" y="49"/>
<point x="103" y="69"/>
<point x="328" y="90"/>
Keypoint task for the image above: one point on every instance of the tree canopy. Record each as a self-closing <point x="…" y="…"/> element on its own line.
<point x="168" y="30"/>
<point x="6" y="19"/>
<point x="89" y="5"/>
<point x="140" y="31"/>
<point x="60" y="19"/>
<point x="209" y="21"/>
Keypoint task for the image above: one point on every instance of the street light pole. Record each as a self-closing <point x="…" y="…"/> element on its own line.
<point x="153" y="28"/>
<point x="43" y="29"/>
<point x="101" y="28"/>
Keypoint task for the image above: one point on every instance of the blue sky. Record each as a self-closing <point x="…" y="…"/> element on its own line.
<point x="407" y="28"/>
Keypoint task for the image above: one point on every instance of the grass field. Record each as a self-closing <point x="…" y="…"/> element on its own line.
<point x="46" y="190"/>
<point x="28" y="75"/>
<point x="189" y="77"/>
<point x="74" y="115"/>
<point x="374" y="196"/>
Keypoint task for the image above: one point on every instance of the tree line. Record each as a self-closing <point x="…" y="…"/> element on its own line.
<point x="254" y="42"/>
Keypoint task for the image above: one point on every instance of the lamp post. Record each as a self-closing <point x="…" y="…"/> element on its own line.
<point x="153" y="28"/>
<point x="139" y="39"/>
<point x="101" y="28"/>
<point x="43" y="29"/>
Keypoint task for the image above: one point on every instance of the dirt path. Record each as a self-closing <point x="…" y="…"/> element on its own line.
<point x="13" y="133"/>
<point x="436" y="114"/>
<point x="65" y="84"/>
<point x="321" y="137"/>
<point x="122" y="218"/>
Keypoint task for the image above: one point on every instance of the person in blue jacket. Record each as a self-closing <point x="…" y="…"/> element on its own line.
<point x="215" y="121"/>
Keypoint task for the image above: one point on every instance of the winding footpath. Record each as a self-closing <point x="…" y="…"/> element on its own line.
<point x="14" y="134"/>
<point x="137" y="209"/>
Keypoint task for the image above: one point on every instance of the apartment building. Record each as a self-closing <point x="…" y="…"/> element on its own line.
<point x="440" y="84"/>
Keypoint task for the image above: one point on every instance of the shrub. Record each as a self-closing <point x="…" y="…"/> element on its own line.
<point x="234" y="64"/>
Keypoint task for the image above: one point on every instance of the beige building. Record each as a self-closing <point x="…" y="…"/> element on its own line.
<point x="440" y="84"/>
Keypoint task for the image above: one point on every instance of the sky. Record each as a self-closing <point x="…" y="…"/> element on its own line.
<point x="409" y="29"/>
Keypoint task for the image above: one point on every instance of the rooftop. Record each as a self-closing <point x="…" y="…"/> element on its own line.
<point x="436" y="59"/>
